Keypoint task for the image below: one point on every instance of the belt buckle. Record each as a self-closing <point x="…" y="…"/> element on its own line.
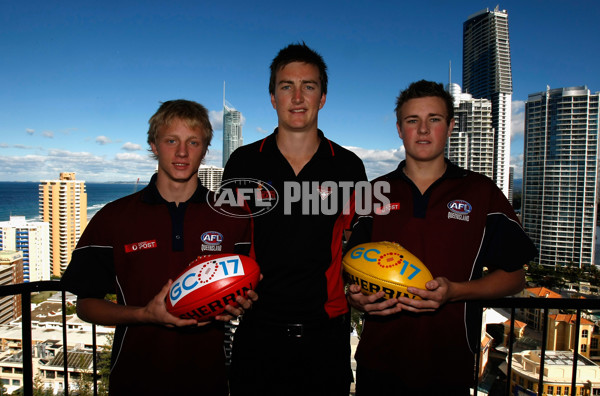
<point x="295" y="330"/>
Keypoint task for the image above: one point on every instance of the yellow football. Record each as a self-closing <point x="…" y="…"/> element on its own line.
<point x="385" y="266"/>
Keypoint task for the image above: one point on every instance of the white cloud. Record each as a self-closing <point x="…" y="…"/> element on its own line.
<point x="262" y="131"/>
<point x="102" y="140"/>
<point x="30" y="131"/>
<point x="216" y="119"/>
<point x="379" y="162"/>
<point x="87" y="166"/>
<point x="131" y="157"/>
<point x="131" y="147"/>
<point x="518" y="118"/>
<point x="517" y="162"/>
<point x="48" y="134"/>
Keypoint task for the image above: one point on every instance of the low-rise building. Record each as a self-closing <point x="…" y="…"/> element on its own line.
<point x="557" y="375"/>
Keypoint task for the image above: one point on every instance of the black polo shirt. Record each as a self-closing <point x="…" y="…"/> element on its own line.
<point x="298" y="245"/>
<point x="132" y="247"/>
<point x="460" y="225"/>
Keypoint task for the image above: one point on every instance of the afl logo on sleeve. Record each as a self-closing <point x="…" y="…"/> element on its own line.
<point x="459" y="210"/>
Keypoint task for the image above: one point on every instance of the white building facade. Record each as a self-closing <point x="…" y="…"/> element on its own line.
<point x="32" y="238"/>
<point x="560" y="175"/>
<point x="471" y="144"/>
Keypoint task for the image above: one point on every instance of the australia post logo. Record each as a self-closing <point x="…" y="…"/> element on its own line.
<point x="137" y="246"/>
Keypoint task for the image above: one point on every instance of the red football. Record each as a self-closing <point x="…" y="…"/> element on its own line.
<point x="203" y="290"/>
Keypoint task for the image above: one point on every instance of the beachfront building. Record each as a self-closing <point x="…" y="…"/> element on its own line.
<point x="32" y="238"/>
<point x="63" y="204"/>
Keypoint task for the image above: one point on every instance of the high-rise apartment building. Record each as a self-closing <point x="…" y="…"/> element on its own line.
<point x="487" y="74"/>
<point x="210" y="176"/>
<point x="63" y="204"/>
<point x="32" y="238"/>
<point x="471" y="144"/>
<point x="11" y="273"/>
<point x="232" y="129"/>
<point x="560" y="174"/>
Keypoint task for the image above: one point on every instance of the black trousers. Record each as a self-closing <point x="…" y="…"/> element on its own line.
<point x="375" y="383"/>
<point x="276" y="359"/>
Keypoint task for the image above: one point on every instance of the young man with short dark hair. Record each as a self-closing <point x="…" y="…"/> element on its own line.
<point x="296" y="338"/>
<point x="426" y="347"/>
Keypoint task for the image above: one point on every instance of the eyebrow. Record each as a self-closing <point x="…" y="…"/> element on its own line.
<point x="303" y="82"/>
<point x="428" y="115"/>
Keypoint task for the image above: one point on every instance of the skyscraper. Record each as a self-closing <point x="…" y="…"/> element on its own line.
<point x="487" y="74"/>
<point x="63" y="204"/>
<point x="560" y="174"/>
<point x="32" y="239"/>
<point x="471" y="144"/>
<point x="210" y="176"/>
<point x="232" y="129"/>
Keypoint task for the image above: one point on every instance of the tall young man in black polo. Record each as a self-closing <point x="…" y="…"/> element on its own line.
<point x="295" y="340"/>
<point x="137" y="245"/>
<point x="456" y="222"/>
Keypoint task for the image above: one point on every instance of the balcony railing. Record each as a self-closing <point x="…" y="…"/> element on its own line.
<point x="579" y="305"/>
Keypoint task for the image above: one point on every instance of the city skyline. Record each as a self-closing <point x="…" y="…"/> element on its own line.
<point x="80" y="82"/>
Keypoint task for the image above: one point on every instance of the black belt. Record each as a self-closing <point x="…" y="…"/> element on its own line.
<point x="296" y="330"/>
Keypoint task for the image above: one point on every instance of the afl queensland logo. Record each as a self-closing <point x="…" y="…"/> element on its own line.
<point x="211" y="240"/>
<point x="459" y="210"/>
<point x="459" y="206"/>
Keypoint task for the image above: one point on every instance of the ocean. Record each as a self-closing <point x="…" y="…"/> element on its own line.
<point x="22" y="198"/>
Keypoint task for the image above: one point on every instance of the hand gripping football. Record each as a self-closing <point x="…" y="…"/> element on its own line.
<point x="385" y="266"/>
<point x="209" y="283"/>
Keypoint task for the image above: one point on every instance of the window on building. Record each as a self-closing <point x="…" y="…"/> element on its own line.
<point x="7" y="369"/>
<point x="50" y="374"/>
<point x="583" y="348"/>
<point x="5" y="381"/>
<point x="16" y="382"/>
<point x="584" y="334"/>
<point x="596" y="392"/>
<point x="550" y="390"/>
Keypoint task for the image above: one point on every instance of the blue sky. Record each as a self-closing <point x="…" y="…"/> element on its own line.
<point x="79" y="79"/>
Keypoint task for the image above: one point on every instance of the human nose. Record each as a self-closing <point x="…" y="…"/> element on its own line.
<point x="182" y="150"/>
<point x="423" y="128"/>
<point x="297" y="96"/>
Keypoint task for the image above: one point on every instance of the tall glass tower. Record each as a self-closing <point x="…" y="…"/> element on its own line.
<point x="487" y="74"/>
<point x="560" y="174"/>
<point x="232" y="129"/>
